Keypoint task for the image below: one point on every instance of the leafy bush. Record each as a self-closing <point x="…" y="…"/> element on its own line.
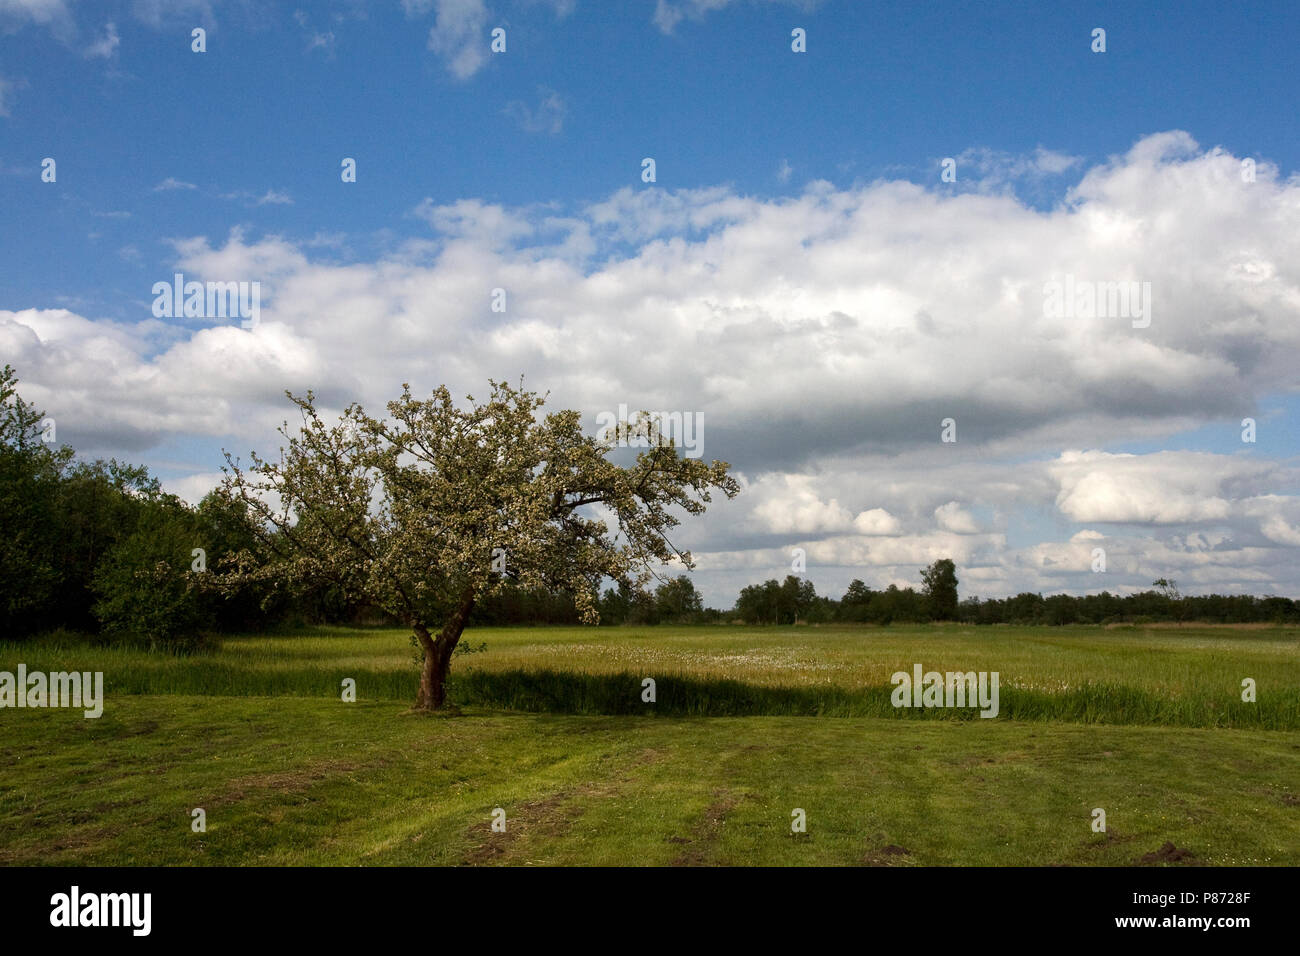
<point x="147" y="591"/>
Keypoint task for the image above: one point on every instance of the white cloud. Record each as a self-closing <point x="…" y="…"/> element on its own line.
<point x="1164" y="488"/>
<point x="841" y="322"/>
<point x="793" y="507"/>
<point x="953" y="517"/>
<point x="474" y="220"/>
<point x="876" y="521"/>
<point x="106" y="45"/>
<point x="823" y="336"/>
<point x="272" y="197"/>
<point x="669" y="13"/>
<point x="159" y="13"/>
<point x="275" y="198"/>
<point x="992" y="169"/>
<point x="193" y="488"/>
<point x="458" y="34"/>
<point x="548" y="117"/>
<point x="321" y="41"/>
<point x="54" y="14"/>
<point x="172" y="182"/>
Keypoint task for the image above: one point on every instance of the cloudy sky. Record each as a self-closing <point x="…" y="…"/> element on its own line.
<point x="841" y="249"/>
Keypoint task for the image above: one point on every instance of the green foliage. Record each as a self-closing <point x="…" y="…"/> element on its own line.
<point x="100" y="504"/>
<point x="940" y="581"/>
<point x="677" y="602"/>
<point x="408" y="512"/>
<point x="147" y="590"/>
<point x="30" y="472"/>
<point x="773" y="602"/>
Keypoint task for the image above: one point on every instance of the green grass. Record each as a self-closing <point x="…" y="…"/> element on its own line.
<point x="1188" y="677"/>
<point x="293" y="781"/>
<point x="1146" y="724"/>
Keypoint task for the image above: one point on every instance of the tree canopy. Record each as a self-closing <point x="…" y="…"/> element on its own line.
<point x="435" y="507"/>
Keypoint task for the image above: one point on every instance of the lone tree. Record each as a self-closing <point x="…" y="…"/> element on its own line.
<point x="940" y="581"/>
<point x="428" y="511"/>
<point x="1168" y="589"/>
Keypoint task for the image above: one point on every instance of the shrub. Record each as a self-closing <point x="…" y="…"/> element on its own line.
<point x="146" y="590"/>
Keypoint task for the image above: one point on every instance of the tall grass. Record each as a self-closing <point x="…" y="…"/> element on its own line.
<point x="685" y="696"/>
<point x="1187" y="677"/>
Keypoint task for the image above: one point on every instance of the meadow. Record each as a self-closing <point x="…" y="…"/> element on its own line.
<point x="748" y="726"/>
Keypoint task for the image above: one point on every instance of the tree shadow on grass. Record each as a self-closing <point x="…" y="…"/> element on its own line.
<point x="565" y="692"/>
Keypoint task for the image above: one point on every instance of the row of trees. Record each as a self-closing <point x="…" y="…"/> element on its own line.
<point x="795" y="601"/>
<point x="99" y="547"/>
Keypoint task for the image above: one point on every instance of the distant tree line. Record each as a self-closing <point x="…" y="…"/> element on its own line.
<point x="98" y="547"/>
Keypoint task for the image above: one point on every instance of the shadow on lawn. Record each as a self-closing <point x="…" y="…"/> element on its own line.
<point x="549" y="691"/>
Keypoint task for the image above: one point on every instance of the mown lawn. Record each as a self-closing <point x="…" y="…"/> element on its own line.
<point x="256" y="734"/>
<point x="294" y="781"/>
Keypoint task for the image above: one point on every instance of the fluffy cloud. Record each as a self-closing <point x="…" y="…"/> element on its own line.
<point x="953" y="517"/>
<point x="1157" y="489"/>
<point x="793" y="507"/>
<point x="458" y="34"/>
<point x="822" y="337"/>
<point x="876" y="521"/>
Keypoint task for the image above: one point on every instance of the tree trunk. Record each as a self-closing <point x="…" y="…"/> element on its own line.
<point x="437" y="654"/>
<point x="429" y="689"/>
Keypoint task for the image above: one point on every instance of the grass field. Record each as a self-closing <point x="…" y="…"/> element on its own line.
<point x="1147" y="724"/>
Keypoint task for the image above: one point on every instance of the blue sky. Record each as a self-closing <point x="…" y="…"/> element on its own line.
<point x="886" y="90"/>
<point x="522" y="169"/>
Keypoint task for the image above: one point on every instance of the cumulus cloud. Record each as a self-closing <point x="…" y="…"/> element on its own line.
<point x="839" y="322"/>
<point x="876" y="521"/>
<point x="794" y="507"/>
<point x="470" y="219"/>
<point x="823" y="336"/>
<point x="953" y="517"/>
<point x="1163" y="488"/>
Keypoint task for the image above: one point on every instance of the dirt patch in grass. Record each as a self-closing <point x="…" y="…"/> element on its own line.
<point x="706" y="833"/>
<point x="890" y="855"/>
<point x="551" y="816"/>
<point x="1166" y="854"/>
<point x="286" y="781"/>
<point x="78" y="840"/>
